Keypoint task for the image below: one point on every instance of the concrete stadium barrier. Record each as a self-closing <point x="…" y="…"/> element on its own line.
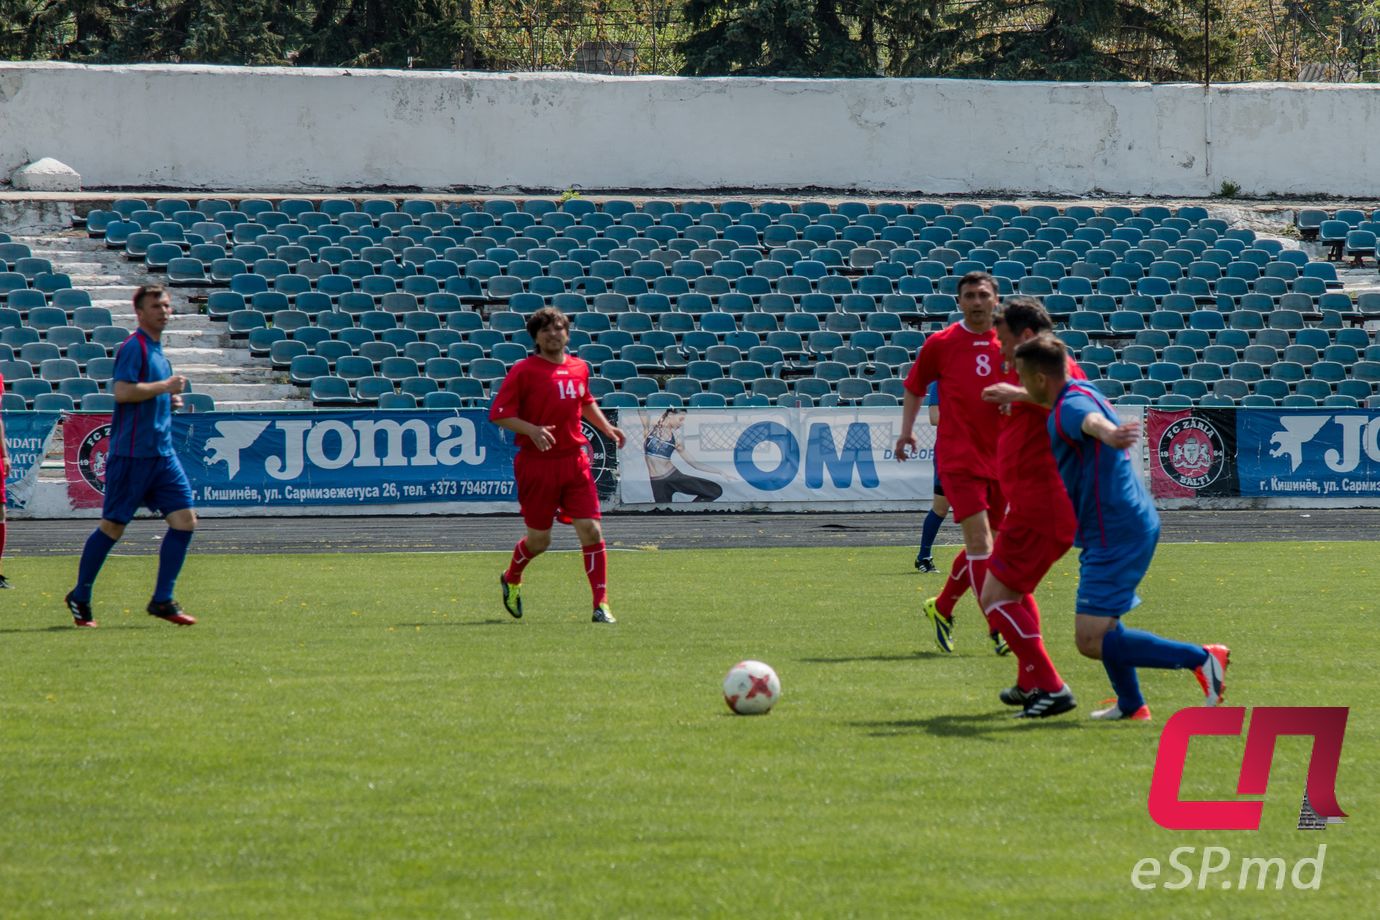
<point x="260" y="129"/>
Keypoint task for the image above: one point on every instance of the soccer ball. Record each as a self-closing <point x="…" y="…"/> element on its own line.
<point x="751" y="688"/>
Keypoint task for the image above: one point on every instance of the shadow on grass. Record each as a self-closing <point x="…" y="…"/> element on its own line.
<point x="986" y="725"/>
<point x="918" y="655"/>
<point x="491" y="622"/>
<point x="68" y="629"/>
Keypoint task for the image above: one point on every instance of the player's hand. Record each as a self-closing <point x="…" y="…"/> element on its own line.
<point x="1002" y="393"/>
<point x="1124" y="435"/>
<point x="619" y="437"/>
<point x="903" y="442"/>
<point x="176" y="402"/>
<point x="175" y="384"/>
<point x="543" y="436"/>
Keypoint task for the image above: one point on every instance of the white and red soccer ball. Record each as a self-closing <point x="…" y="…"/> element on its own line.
<point x="751" y="688"/>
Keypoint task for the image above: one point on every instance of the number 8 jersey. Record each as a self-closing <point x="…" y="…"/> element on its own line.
<point x="965" y="363"/>
<point x="543" y="393"/>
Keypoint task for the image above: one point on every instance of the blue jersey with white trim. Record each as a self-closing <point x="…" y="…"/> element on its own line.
<point x="1111" y="502"/>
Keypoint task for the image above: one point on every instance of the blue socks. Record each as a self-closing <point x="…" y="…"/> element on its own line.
<point x="170" y="557"/>
<point x="1124" y="650"/>
<point x="927" y="535"/>
<point x="92" y="558"/>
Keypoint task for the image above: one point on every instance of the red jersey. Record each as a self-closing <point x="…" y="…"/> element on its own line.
<point x="1027" y="472"/>
<point x="965" y="363"/>
<point x="543" y="393"/>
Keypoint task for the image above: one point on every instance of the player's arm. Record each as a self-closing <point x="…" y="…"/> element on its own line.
<point x="923" y="372"/>
<point x="130" y="391"/>
<point x="596" y="417"/>
<point x="1004" y="394"/>
<point x="1096" y="425"/>
<point x="543" y="436"/>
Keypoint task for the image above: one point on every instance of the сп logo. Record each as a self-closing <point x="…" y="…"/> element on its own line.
<point x="1326" y="725"/>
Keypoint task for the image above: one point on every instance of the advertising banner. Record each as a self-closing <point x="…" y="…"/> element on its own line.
<point x="761" y="456"/>
<point x="28" y="435"/>
<point x="1192" y="452"/>
<point x="1309" y="452"/>
<point x="286" y="459"/>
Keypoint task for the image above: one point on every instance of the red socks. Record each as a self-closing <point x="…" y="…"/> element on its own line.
<point x="596" y="569"/>
<point x="1019" y="624"/>
<point x="521" y="556"/>
<point x="958" y="582"/>
<point x="977" y="571"/>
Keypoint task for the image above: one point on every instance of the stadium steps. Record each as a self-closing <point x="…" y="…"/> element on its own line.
<point x="197" y="347"/>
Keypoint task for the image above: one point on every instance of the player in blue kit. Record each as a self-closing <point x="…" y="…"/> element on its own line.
<point x="1118" y="528"/>
<point x="142" y="468"/>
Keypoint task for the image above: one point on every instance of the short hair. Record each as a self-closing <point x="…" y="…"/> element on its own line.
<point x="544" y="317"/>
<point x="148" y="290"/>
<point x="1022" y="314"/>
<point x="978" y="278"/>
<point x="1044" y="354"/>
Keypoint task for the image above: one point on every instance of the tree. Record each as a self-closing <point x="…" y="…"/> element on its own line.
<point x="1071" y="40"/>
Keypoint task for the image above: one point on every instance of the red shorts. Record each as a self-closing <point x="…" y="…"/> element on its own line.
<point x="549" y="486"/>
<point x="968" y="495"/>
<point x="1022" y="556"/>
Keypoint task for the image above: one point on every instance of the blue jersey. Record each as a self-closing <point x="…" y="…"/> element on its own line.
<point x="1111" y="502"/>
<point x="142" y="429"/>
<point x="932" y="394"/>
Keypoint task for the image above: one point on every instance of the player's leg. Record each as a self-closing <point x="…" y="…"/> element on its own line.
<point x="123" y="492"/>
<point x="580" y="500"/>
<point x="172" y="494"/>
<point x="934" y="519"/>
<point x="1020" y="559"/>
<point x="968" y="497"/>
<point x="4" y="532"/>
<point x="1107" y="584"/>
<point x="538" y="498"/>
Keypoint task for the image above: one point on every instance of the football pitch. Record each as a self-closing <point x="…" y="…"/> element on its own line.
<point x="371" y="735"/>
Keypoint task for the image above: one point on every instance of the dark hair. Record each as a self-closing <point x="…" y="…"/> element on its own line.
<point x="544" y="317"/>
<point x="978" y="278"/>
<point x="1022" y="314"/>
<point x="148" y="290"/>
<point x="1044" y="354"/>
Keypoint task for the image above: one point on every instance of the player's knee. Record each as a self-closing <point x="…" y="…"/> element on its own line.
<point x="1089" y="646"/>
<point x="538" y="541"/>
<point x="111" y="529"/>
<point x="589" y="532"/>
<point x="182" y="520"/>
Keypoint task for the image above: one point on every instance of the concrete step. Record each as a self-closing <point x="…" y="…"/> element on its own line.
<point x="262" y="393"/>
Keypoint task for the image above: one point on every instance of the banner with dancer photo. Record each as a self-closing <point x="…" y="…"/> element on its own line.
<point x="690" y="458"/>
<point x="28" y="435"/>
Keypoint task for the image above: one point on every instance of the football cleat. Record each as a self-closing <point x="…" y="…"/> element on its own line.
<point x="1015" y="696"/>
<point x="1114" y="712"/>
<point x="80" y="610"/>
<point x="172" y="612"/>
<point x="943" y="626"/>
<point x="1043" y="704"/>
<point x="1212" y="674"/>
<point x="925" y="564"/>
<point x="999" y="644"/>
<point x="512" y="596"/>
<point x="602" y="614"/>
<point x="5" y="583"/>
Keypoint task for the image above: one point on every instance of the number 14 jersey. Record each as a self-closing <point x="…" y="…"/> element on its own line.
<point x="543" y="393"/>
<point x="965" y="363"/>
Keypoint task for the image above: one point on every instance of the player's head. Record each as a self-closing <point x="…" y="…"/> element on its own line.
<point x="152" y="308"/>
<point x="550" y="331"/>
<point x="1018" y="320"/>
<point x="977" y="298"/>
<point x="1042" y="363"/>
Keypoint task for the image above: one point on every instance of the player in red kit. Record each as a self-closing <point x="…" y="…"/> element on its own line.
<point x="542" y="401"/>
<point x="1038" y="527"/>
<point x="966" y="359"/>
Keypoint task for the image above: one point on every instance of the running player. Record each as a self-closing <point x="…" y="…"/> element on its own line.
<point x="542" y="401"/>
<point x="939" y="505"/>
<point x="1037" y="529"/>
<point x="1118" y="528"/>
<point x="143" y="469"/>
<point x="965" y="359"/>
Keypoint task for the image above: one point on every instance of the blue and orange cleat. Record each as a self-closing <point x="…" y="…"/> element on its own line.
<point x="1212" y="674"/>
<point x="1114" y="712"/>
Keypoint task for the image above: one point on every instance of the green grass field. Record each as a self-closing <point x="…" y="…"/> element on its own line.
<point x="373" y="736"/>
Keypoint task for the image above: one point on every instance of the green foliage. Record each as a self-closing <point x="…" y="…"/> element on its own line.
<point x="1229" y="189"/>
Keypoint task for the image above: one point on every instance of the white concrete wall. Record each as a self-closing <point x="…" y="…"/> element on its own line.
<point x="257" y="129"/>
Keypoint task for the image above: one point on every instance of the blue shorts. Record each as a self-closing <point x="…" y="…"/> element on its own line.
<point x="1108" y="576"/>
<point x="157" y="483"/>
